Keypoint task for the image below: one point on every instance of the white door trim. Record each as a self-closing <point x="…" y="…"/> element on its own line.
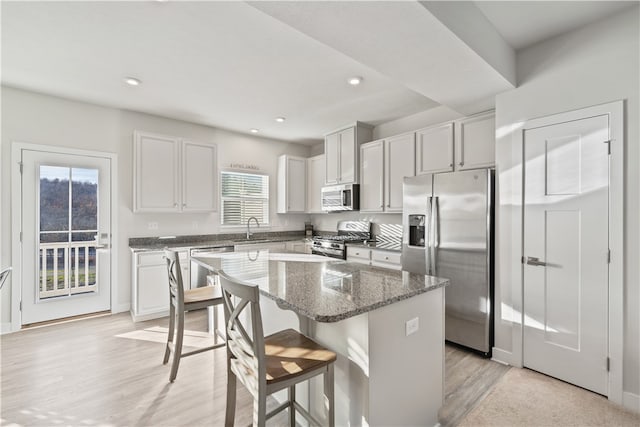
<point x="16" y="219"/>
<point x="615" y="111"/>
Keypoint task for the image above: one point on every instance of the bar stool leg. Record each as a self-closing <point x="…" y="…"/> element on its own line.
<point x="292" y="409"/>
<point x="177" y="349"/>
<point x="230" y="414"/>
<point x="329" y="393"/>
<point x="172" y="325"/>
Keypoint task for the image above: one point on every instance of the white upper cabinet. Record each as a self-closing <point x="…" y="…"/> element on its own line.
<point x="292" y="177"/>
<point x="156" y="171"/>
<point x="384" y="165"/>
<point x="400" y="158"/>
<point x="341" y="151"/>
<point x="475" y="138"/>
<point x="372" y="176"/>
<point x="173" y="175"/>
<point x="434" y="149"/>
<point x="198" y="177"/>
<point x="315" y="182"/>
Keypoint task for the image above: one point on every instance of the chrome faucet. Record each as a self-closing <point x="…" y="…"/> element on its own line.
<point x="248" y="228"/>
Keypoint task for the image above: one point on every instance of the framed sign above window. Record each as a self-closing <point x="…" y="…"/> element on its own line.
<point x="242" y="196"/>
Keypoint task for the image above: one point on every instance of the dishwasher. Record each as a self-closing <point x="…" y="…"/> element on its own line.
<point x="200" y="277"/>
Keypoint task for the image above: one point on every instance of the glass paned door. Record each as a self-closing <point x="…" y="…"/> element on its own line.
<point x="66" y="220"/>
<point x="68" y="206"/>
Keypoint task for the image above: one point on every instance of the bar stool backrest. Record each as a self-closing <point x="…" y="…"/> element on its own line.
<point x="176" y="288"/>
<point x="245" y="349"/>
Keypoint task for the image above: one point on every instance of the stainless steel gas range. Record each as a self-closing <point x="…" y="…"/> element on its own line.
<point x="335" y="245"/>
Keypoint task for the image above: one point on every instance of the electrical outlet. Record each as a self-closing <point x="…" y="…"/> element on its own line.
<point x="412" y="326"/>
<point x="152" y="225"/>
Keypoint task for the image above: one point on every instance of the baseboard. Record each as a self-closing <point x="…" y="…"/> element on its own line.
<point x="631" y="401"/>
<point x="121" y="308"/>
<point x="5" y="328"/>
<point x="502" y="356"/>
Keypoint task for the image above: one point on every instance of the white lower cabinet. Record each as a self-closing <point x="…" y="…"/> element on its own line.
<point x="357" y="254"/>
<point x="386" y="259"/>
<point x="150" y="284"/>
<point x="374" y="257"/>
<point x="297" y="246"/>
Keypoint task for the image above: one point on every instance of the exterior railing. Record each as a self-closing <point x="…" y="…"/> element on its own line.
<point x="67" y="268"/>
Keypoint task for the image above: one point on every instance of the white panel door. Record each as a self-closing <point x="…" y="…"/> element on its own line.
<point x="566" y="251"/>
<point x="66" y="242"/>
<point x="400" y="158"/>
<point x="372" y="176"/>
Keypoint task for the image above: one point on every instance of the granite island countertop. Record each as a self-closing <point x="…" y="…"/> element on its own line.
<point x="320" y="288"/>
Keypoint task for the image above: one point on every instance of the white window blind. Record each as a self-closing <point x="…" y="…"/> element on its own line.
<point x="244" y="195"/>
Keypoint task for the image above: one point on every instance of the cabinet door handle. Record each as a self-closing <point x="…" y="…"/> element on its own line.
<point x="184" y="205"/>
<point x="450" y="165"/>
<point x="461" y="163"/>
<point x="386" y="257"/>
<point x="175" y="205"/>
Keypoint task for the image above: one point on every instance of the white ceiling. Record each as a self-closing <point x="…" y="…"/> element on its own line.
<point x="237" y="66"/>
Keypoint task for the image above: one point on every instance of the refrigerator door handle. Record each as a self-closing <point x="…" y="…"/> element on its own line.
<point x="428" y="236"/>
<point x="435" y="238"/>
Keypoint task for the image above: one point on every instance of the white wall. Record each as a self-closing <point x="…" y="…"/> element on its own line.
<point x="593" y="65"/>
<point x="41" y="119"/>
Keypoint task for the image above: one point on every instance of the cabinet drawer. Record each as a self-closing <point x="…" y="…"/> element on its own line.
<point x="385" y="257"/>
<point x="151" y="258"/>
<point x="359" y="253"/>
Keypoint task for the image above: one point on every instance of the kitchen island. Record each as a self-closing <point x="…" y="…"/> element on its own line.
<point x="386" y="326"/>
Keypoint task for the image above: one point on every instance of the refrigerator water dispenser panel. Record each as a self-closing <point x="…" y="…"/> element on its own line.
<point x="417" y="235"/>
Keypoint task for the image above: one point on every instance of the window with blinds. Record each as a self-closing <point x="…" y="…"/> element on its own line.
<point x="244" y="195"/>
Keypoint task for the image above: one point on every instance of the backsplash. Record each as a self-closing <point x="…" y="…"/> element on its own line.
<point x="385" y="226"/>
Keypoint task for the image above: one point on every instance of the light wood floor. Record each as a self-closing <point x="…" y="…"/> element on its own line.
<point x="81" y="374"/>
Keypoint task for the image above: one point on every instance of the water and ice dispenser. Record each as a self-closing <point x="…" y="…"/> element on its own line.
<point x="417" y="234"/>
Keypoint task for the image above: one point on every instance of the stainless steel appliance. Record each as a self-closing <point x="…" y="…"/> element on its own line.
<point x="334" y="245"/>
<point x="448" y="232"/>
<point x="338" y="198"/>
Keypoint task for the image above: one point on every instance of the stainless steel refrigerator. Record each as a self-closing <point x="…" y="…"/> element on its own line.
<point x="448" y="232"/>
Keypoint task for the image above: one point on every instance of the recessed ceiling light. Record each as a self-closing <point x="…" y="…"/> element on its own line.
<point x="132" y="81"/>
<point x="355" y="81"/>
<point x="254" y="130"/>
<point x="280" y="119"/>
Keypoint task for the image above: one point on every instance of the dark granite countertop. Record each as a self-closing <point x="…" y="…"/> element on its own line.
<point x="137" y="244"/>
<point x="320" y="288"/>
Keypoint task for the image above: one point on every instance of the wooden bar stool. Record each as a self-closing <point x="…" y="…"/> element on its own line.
<point x="266" y="365"/>
<point x="179" y="302"/>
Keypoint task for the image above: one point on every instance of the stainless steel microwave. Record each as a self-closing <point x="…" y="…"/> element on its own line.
<point x="345" y="197"/>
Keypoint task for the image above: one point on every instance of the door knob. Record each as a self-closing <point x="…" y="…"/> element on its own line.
<point x="535" y="261"/>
